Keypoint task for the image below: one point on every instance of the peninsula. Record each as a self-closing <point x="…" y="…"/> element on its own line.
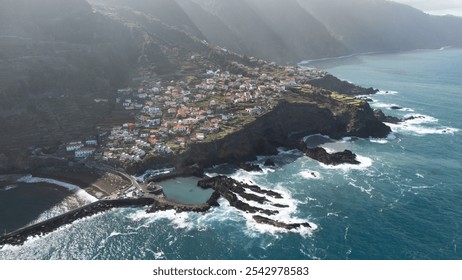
<point x="181" y="127"/>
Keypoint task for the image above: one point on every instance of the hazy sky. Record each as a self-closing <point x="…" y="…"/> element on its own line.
<point x="437" y="7"/>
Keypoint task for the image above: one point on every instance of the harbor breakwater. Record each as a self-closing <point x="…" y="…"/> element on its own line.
<point x="20" y="236"/>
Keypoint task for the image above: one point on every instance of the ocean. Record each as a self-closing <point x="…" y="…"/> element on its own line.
<point x="402" y="202"/>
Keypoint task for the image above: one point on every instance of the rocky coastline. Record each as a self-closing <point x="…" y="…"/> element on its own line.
<point x="289" y="121"/>
<point x="284" y="126"/>
<point x="228" y="188"/>
<point x="321" y="155"/>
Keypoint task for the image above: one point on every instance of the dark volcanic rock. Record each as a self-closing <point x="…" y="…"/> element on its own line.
<point x="396" y="107"/>
<point x="250" y="167"/>
<point x="264" y="220"/>
<point x="333" y="83"/>
<point x="383" y="118"/>
<point x="230" y="189"/>
<point x="367" y="99"/>
<point x="413" y="118"/>
<point x="270" y="163"/>
<point x="276" y="129"/>
<point x="321" y="155"/>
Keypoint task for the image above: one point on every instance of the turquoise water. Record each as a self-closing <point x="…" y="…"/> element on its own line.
<point x="185" y="190"/>
<point x="402" y="202"/>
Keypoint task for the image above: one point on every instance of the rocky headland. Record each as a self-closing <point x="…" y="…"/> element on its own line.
<point x="289" y="121"/>
<point x="384" y="118"/>
<point x="321" y="155"/>
<point x="233" y="190"/>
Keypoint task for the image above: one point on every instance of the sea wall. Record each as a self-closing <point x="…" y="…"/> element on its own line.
<point x="20" y="236"/>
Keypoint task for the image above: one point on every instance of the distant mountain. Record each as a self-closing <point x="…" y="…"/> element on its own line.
<point x="378" y="25"/>
<point x="280" y="31"/>
<point x="289" y="31"/>
<point x="166" y="11"/>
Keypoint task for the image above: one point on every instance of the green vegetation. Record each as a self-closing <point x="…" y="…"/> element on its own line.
<point x="347" y="99"/>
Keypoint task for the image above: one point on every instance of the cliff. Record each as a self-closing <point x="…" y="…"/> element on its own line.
<point x="284" y="126"/>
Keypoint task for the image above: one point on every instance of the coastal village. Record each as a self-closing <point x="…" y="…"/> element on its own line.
<point x="171" y="115"/>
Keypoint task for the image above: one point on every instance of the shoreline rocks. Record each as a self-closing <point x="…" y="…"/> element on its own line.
<point x="230" y="189"/>
<point x="384" y="118"/>
<point x="268" y="221"/>
<point x="321" y="155"/>
<point x="269" y="163"/>
<point x="249" y="167"/>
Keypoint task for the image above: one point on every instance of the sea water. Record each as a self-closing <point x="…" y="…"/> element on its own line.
<point x="402" y="202"/>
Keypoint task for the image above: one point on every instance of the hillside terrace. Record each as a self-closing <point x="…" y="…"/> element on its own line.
<point x="171" y="115"/>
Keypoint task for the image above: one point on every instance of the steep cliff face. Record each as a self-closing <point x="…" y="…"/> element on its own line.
<point x="57" y="57"/>
<point x="284" y="126"/>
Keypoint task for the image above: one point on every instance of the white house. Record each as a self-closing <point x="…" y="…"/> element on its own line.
<point x="73" y="146"/>
<point x="84" y="152"/>
<point x="91" y="142"/>
<point x="200" y="136"/>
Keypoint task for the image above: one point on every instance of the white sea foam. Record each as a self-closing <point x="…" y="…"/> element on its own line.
<point x="226" y="213"/>
<point x="68" y="204"/>
<point x="178" y="220"/>
<point x="419" y="175"/>
<point x="419" y="124"/>
<point x="310" y="175"/>
<point x="365" y="163"/>
<point x="361" y="188"/>
<point x="378" y="140"/>
<point x="387" y="92"/>
<point x="419" y="119"/>
<point x="29" y="179"/>
<point x="8" y="188"/>
<point x="333" y="214"/>
<point x="421" y="187"/>
<point x="160" y="255"/>
<point x="382" y="105"/>
<point x="286" y="215"/>
<point x="391" y="136"/>
<point x="409" y="127"/>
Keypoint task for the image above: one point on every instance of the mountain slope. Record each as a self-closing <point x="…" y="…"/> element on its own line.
<point x="166" y="11"/>
<point x="293" y="30"/>
<point x="378" y="25"/>
<point x="57" y="57"/>
<point x="274" y="30"/>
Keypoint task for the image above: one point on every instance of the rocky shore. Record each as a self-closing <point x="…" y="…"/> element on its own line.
<point x="321" y="155"/>
<point x="233" y="191"/>
<point x="264" y="220"/>
<point x="290" y="120"/>
<point x="284" y="126"/>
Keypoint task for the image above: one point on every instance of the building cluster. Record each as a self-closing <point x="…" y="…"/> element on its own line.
<point x="82" y="149"/>
<point x="172" y="115"/>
